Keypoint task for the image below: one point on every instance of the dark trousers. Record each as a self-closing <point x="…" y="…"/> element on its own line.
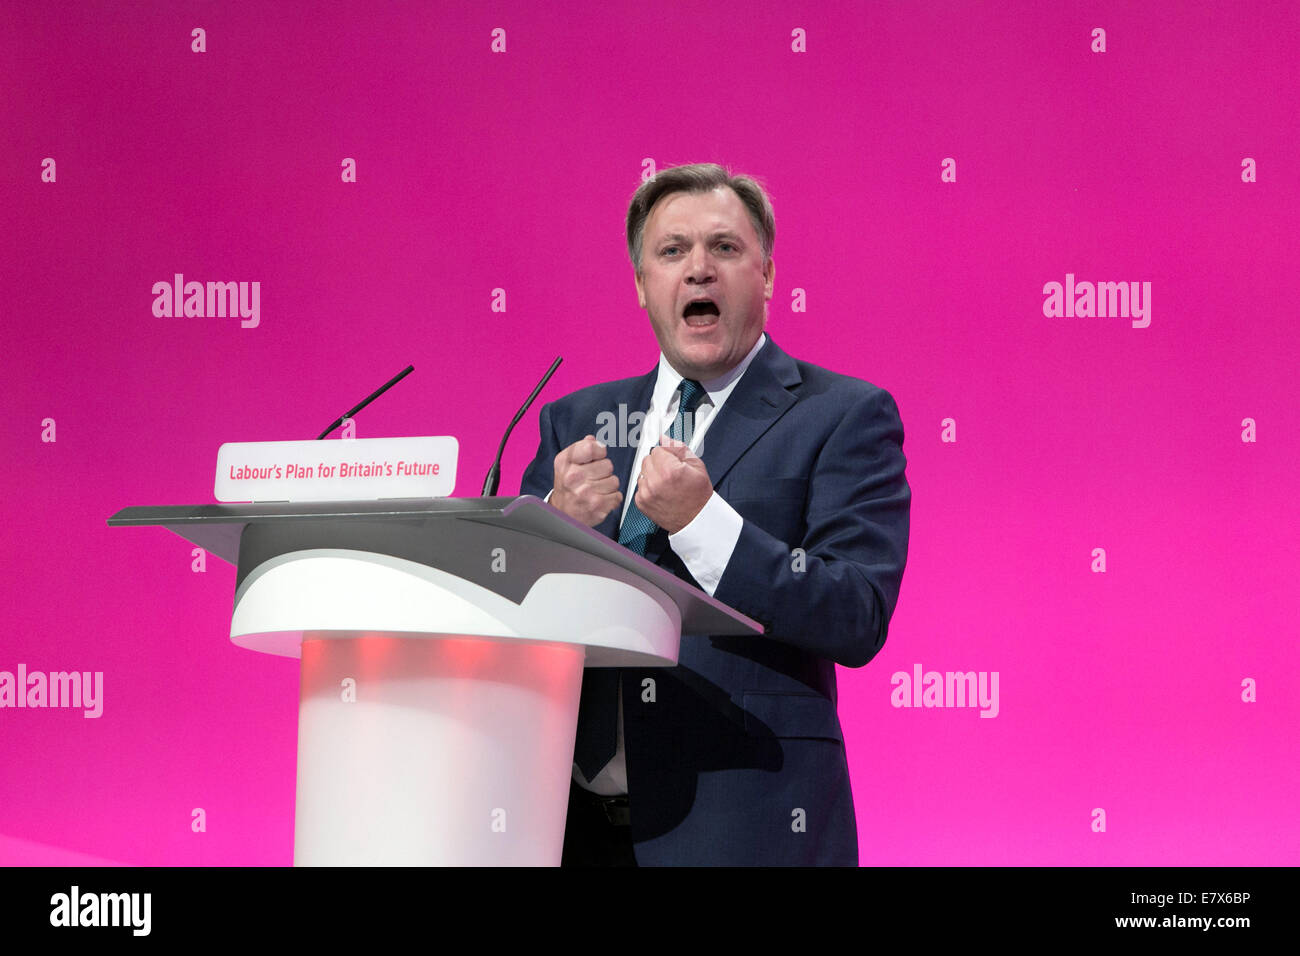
<point x="591" y="838"/>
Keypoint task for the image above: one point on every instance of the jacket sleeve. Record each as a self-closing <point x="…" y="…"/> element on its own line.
<point x="836" y="599"/>
<point x="539" y="476"/>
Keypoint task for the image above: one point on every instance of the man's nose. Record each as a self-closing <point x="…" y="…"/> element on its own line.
<point x="700" y="266"/>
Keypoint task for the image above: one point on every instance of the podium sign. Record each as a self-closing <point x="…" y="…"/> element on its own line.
<point x="362" y="469"/>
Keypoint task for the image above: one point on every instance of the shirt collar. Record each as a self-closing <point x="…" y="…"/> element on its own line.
<point x="716" y="388"/>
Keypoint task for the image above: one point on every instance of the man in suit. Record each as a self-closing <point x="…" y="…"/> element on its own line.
<point x="772" y="484"/>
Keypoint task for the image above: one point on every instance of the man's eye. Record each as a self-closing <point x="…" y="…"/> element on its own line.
<point x="666" y="251"/>
<point x="727" y="244"/>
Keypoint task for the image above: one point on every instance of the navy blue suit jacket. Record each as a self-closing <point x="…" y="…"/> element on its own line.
<point x="737" y="757"/>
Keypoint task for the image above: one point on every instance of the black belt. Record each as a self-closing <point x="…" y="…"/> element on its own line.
<point x="617" y="809"/>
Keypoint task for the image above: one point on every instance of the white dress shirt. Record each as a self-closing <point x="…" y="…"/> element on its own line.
<point x="706" y="544"/>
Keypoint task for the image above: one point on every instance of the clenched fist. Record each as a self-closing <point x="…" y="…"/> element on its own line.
<point x="674" y="486"/>
<point x="586" y="487"/>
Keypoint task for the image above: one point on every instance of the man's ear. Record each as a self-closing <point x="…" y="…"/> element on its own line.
<point x="640" y="289"/>
<point x="769" y="273"/>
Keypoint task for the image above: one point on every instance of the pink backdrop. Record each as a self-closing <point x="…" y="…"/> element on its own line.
<point x="481" y="170"/>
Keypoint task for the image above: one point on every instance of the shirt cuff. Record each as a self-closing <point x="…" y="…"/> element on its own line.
<point x="706" y="544"/>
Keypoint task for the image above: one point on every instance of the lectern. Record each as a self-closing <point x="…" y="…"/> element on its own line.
<point x="442" y="643"/>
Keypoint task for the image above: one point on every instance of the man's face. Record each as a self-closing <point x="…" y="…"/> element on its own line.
<point x="702" y="246"/>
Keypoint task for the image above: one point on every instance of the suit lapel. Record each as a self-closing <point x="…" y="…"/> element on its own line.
<point x="759" y="400"/>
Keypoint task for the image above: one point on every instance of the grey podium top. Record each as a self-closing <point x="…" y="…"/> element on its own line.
<point x="218" y="529"/>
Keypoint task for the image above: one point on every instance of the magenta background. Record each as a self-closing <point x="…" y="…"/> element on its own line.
<point x="481" y="170"/>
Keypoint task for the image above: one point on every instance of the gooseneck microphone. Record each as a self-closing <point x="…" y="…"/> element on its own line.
<point x="373" y="395"/>
<point x="494" y="473"/>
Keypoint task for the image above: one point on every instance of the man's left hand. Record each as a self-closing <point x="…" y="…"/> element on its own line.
<point x="674" y="485"/>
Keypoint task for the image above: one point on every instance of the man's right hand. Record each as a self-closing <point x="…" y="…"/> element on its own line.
<point x="586" y="487"/>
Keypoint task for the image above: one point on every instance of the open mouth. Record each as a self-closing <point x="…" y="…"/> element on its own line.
<point x="701" y="313"/>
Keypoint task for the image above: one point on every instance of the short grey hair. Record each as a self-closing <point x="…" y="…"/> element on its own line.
<point x="698" y="178"/>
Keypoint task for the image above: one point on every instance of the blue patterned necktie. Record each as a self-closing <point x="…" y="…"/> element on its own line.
<point x="597" y="737"/>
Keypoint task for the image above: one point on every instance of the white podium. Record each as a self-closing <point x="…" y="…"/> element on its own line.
<point x="442" y="644"/>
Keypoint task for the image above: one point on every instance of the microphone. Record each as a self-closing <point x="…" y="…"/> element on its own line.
<point x="383" y="388"/>
<point x="494" y="473"/>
